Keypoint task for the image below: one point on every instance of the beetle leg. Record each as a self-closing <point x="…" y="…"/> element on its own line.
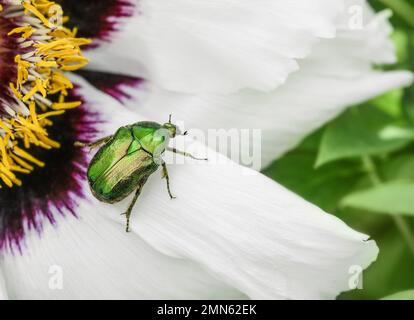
<point x="186" y="154"/>
<point x="131" y="206"/>
<point x="167" y="178"/>
<point x="94" y="144"/>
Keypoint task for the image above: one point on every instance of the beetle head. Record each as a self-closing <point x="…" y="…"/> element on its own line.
<point x="173" y="129"/>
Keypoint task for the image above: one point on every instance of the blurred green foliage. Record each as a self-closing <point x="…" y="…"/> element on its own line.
<point x="404" y="295"/>
<point x="360" y="167"/>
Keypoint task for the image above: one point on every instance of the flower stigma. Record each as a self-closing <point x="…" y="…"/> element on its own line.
<point x="35" y="51"/>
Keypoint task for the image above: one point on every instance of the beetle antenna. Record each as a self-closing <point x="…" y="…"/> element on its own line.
<point x="169" y="119"/>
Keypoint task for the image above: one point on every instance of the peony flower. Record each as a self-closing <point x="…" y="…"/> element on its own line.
<point x="228" y="234"/>
<point x="293" y="67"/>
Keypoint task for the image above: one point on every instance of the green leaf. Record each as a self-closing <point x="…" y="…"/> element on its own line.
<point x="403" y="295"/>
<point x="401" y="41"/>
<point x="297" y="172"/>
<point x="390" y="198"/>
<point x="356" y="134"/>
<point x="402" y="8"/>
<point x="393" y="270"/>
<point x="390" y="102"/>
<point x="397" y="132"/>
<point x="400" y="167"/>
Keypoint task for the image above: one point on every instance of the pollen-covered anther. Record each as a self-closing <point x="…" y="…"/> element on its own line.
<point x="43" y="49"/>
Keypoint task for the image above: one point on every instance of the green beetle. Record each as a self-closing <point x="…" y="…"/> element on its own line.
<point x="126" y="159"/>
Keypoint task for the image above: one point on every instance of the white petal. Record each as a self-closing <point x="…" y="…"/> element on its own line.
<point x="244" y="229"/>
<point x="357" y="47"/>
<point x="337" y="74"/>
<point x="94" y="258"/>
<point x="217" y="45"/>
<point x="250" y="232"/>
<point x="3" y="289"/>
<point x="285" y="116"/>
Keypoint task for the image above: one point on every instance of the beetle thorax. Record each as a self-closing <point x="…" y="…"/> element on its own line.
<point x="152" y="137"/>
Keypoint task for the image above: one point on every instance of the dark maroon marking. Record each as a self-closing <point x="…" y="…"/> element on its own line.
<point x="96" y="19"/>
<point x="112" y="84"/>
<point x="56" y="187"/>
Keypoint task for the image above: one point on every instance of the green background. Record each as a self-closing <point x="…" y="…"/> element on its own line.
<point x="360" y="167"/>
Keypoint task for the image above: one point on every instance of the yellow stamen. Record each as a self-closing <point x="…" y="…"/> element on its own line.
<point x="26" y="156"/>
<point x="4" y="157"/>
<point x="40" y="75"/>
<point x="51" y="114"/>
<point x="6" y="180"/>
<point x="27" y="31"/>
<point x="23" y="163"/>
<point x="66" y="105"/>
<point x="37" y="13"/>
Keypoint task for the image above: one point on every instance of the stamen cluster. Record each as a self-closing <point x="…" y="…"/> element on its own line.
<point x="43" y="49"/>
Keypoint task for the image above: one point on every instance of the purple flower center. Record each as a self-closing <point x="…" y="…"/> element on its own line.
<point x="113" y="84"/>
<point x="55" y="188"/>
<point x="97" y="19"/>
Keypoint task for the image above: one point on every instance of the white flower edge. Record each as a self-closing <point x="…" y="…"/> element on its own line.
<point x="3" y="289"/>
<point x="91" y="257"/>
<point x="217" y="46"/>
<point x="337" y="74"/>
<point x="231" y="233"/>
<point x="284" y="117"/>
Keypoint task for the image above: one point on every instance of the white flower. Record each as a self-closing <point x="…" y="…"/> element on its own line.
<point x="295" y="66"/>
<point x="218" y="46"/>
<point x="3" y="290"/>
<point x="284" y="67"/>
<point x="227" y="235"/>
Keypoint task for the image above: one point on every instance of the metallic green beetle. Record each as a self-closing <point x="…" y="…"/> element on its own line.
<point x="126" y="159"/>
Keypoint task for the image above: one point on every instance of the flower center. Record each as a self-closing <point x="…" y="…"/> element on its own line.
<point x="35" y="51"/>
<point x="98" y="19"/>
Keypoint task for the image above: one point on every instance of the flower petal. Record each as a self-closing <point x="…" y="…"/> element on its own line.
<point x="285" y="116"/>
<point x="335" y="75"/>
<point x="94" y="258"/>
<point x="27" y="206"/>
<point x="3" y="289"/>
<point x="83" y="255"/>
<point x="217" y="46"/>
<point x="250" y="232"/>
<point x="246" y="230"/>
<point x="357" y="47"/>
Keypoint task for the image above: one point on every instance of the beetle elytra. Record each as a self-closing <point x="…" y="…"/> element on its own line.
<point x="126" y="159"/>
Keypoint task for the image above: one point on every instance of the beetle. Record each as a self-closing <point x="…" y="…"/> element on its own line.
<point x="126" y="159"/>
